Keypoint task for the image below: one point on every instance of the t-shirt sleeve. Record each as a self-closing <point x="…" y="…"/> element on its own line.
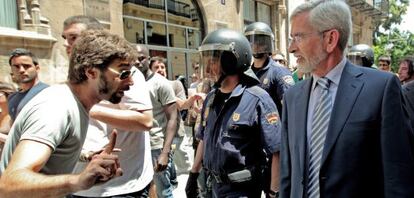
<point x="48" y="123"/>
<point x="179" y="90"/>
<point x="137" y="97"/>
<point x="166" y="93"/>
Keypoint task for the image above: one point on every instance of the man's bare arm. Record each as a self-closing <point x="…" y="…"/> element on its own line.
<point x="22" y="178"/>
<point x="171" y="128"/>
<point x="198" y="159"/>
<point x="274" y="183"/>
<point x="171" y="114"/>
<point x="187" y="103"/>
<point x="129" y="120"/>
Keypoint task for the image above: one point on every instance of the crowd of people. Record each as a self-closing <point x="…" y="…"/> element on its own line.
<point x="245" y="126"/>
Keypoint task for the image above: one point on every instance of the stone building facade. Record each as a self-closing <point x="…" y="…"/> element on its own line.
<point x="171" y="28"/>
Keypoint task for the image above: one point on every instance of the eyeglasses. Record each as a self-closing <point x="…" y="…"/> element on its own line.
<point x="300" y="36"/>
<point x="124" y="74"/>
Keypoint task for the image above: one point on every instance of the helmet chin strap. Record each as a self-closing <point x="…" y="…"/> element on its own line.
<point x="259" y="55"/>
<point x="220" y="80"/>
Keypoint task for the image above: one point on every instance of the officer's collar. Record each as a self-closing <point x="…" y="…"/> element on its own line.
<point x="266" y="64"/>
<point x="238" y="90"/>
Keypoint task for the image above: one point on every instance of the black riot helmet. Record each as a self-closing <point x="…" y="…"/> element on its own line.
<point x="361" y="54"/>
<point x="261" y="39"/>
<point x="225" y="52"/>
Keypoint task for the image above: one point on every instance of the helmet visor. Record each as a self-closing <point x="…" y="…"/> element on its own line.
<point x="356" y="59"/>
<point x="210" y="64"/>
<point x="260" y="43"/>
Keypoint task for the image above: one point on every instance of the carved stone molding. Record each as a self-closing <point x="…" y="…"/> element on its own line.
<point x="31" y="19"/>
<point x="12" y="38"/>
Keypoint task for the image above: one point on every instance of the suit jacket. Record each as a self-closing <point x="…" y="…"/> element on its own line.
<point x="367" y="151"/>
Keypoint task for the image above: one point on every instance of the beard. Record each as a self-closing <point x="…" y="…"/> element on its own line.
<point x="115" y="99"/>
<point x="104" y="89"/>
<point x="311" y="64"/>
<point x="27" y="79"/>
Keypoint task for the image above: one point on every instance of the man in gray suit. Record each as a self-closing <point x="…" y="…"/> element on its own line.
<point x="344" y="132"/>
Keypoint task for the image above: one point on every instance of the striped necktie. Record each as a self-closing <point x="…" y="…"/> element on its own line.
<point x="320" y="123"/>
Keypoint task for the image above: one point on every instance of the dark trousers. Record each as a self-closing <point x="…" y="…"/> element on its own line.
<point x="250" y="189"/>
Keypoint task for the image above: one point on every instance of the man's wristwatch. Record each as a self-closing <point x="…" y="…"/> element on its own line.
<point x="273" y="194"/>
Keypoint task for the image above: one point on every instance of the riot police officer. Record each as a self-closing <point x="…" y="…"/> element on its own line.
<point x="239" y="123"/>
<point x="274" y="77"/>
<point x="362" y="55"/>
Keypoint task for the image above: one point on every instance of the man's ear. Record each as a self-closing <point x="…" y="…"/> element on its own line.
<point x="332" y="37"/>
<point x="92" y="73"/>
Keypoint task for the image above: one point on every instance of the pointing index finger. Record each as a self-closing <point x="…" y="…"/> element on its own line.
<point x="112" y="141"/>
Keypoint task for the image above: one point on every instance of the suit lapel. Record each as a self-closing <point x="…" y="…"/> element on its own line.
<point x="349" y="88"/>
<point x="301" y="103"/>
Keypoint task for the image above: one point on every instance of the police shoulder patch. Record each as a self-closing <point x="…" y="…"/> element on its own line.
<point x="272" y="118"/>
<point x="288" y="80"/>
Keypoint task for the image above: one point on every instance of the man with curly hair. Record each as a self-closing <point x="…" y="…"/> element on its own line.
<point x="46" y="139"/>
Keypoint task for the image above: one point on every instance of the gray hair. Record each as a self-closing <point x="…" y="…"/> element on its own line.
<point x="328" y="14"/>
<point x="91" y="23"/>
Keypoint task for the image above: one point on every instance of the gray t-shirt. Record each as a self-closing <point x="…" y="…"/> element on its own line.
<point x="161" y="93"/>
<point x="54" y="117"/>
<point x="180" y="94"/>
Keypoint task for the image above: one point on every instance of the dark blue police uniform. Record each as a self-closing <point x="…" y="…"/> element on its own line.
<point x="237" y="136"/>
<point x="275" y="79"/>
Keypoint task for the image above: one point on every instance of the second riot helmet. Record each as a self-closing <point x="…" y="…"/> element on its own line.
<point x="261" y="38"/>
<point x="361" y="54"/>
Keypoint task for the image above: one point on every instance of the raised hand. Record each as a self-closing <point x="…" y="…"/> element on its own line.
<point x="103" y="166"/>
<point x="108" y="150"/>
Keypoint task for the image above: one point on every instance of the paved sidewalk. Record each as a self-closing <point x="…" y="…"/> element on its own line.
<point x="179" y="192"/>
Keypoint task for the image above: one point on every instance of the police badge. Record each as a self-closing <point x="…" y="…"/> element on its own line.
<point x="236" y="117"/>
